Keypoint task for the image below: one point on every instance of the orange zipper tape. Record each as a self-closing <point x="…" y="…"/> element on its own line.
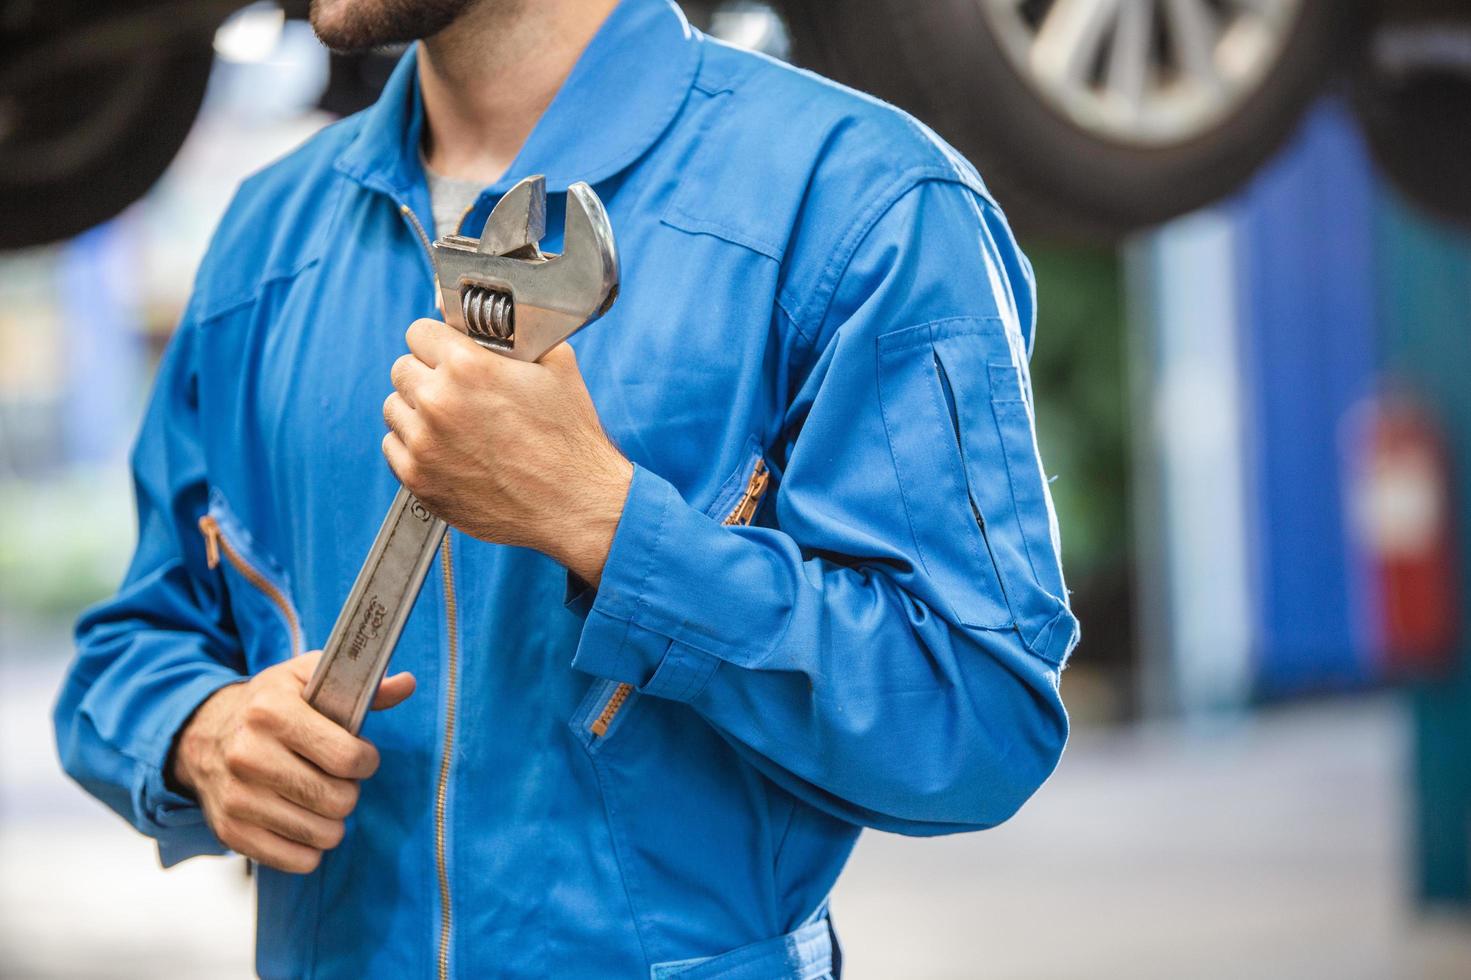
<point x="741" y="515"/>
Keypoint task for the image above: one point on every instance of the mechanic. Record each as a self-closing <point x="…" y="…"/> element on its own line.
<point x="770" y="559"/>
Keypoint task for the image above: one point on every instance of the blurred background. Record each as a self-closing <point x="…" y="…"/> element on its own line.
<point x="1251" y="223"/>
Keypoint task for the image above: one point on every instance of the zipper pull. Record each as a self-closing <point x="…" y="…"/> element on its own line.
<point x="745" y="511"/>
<point x="210" y="528"/>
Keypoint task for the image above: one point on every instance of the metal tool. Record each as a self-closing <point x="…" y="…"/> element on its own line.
<point x="510" y="298"/>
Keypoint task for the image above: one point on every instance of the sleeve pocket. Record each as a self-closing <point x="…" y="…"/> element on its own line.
<point x="1004" y="474"/>
<point x="943" y="519"/>
<point x="960" y="430"/>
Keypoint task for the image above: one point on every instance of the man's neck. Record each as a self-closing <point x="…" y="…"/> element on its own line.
<point x="488" y="77"/>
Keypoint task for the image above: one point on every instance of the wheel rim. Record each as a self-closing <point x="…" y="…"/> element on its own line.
<point x="1143" y="72"/>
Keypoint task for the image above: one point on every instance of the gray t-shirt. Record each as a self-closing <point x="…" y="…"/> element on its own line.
<point x="449" y="198"/>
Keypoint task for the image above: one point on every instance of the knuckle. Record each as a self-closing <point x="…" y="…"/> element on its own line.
<point x="301" y="831"/>
<point x="306" y="863"/>
<point x="399" y="373"/>
<point x="341" y="803"/>
<point x="340" y="760"/>
<point x="365" y="760"/>
<point x="333" y="834"/>
<point x="237" y="757"/>
<point x="461" y="363"/>
<point x="228" y="832"/>
<point x="432" y="399"/>
<point x="232" y="800"/>
<point x="308" y="791"/>
<point x="259" y="713"/>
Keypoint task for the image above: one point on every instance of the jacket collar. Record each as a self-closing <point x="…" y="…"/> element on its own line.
<point x="620" y="97"/>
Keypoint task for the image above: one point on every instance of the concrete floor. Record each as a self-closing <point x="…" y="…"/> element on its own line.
<point x="1266" y="848"/>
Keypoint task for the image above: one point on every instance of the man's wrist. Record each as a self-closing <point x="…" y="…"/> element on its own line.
<point x="584" y="550"/>
<point x="179" y="774"/>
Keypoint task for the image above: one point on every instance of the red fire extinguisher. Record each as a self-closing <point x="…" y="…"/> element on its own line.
<point x="1404" y="518"/>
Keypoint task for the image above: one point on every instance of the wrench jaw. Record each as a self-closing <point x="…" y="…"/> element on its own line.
<point x="510" y="298"/>
<point x="518" y="222"/>
<point x="551" y="296"/>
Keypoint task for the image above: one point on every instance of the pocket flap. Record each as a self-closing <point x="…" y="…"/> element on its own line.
<point x="1004" y="473"/>
<point x="804" y="954"/>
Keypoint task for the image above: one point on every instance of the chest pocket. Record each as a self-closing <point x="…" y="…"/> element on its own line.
<point x="960" y="431"/>
<point x="255" y="588"/>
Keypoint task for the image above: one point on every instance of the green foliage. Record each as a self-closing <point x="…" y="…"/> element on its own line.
<point x="1078" y="377"/>
<point x="64" y="541"/>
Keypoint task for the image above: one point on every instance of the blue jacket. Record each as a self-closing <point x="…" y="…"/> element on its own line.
<point x="833" y="601"/>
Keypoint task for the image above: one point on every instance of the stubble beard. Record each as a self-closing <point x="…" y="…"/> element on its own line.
<point x="356" y="26"/>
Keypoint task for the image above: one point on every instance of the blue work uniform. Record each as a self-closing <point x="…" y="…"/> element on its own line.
<point x="833" y="600"/>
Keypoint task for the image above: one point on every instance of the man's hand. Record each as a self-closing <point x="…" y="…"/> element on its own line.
<point x="277" y="779"/>
<point x="504" y="450"/>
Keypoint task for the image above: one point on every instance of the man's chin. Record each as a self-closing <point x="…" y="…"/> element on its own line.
<point x="355" y="26"/>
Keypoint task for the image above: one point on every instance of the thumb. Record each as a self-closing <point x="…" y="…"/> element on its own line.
<point x="394" y="690"/>
<point x="302" y="666"/>
<point x="561" y="358"/>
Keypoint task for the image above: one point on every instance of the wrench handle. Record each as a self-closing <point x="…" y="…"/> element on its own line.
<point x="362" y="640"/>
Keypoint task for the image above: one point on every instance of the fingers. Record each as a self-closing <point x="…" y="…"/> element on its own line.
<point x="433" y="341"/>
<point x="271" y="765"/>
<point x="302" y="666"/>
<point x="276" y="710"/>
<point x="401" y="418"/>
<point x="323" y="742"/>
<point x="245" y="804"/>
<point x="400" y="460"/>
<point x="561" y="358"/>
<point x="267" y="847"/>
<point x="394" y="690"/>
<point x="409" y="375"/>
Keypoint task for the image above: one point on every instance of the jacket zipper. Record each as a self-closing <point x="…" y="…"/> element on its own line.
<point x="740" y="516"/>
<point x="441" y="792"/>
<point x="216" y="544"/>
<point x="970" y="497"/>
<point x="418" y="225"/>
<point x="452" y="671"/>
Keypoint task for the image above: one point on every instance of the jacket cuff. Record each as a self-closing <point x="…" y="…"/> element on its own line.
<point x="175" y="820"/>
<point x="679" y="596"/>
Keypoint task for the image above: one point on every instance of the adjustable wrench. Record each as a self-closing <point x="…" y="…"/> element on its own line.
<point x="510" y="298"/>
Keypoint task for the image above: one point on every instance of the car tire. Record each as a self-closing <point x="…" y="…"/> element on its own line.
<point x="87" y="142"/>
<point x="1416" y="120"/>
<point x="944" y="61"/>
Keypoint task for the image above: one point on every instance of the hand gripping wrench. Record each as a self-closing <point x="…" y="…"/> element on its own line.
<point x="509" y="298"/>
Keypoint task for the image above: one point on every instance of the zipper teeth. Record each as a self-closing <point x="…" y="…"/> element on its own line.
<point x="610" y="710"/>
<point x="460" y="225"/>
<point x="418" y="226"/>
<point x="215" y="544"/>
<point x="745" y="509"/>
<point x="446" y="762"/>
<point x="408" y="212"/>
<point x="740" y="515"/>
<point x="441" y="793"/>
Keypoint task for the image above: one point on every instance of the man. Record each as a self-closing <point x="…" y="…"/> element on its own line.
<point x="769" y="560"/>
